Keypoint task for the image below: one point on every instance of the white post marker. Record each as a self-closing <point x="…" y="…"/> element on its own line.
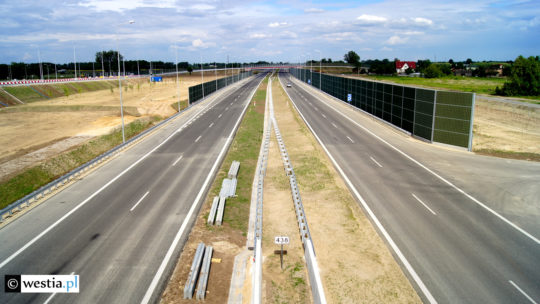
<point x="281" y="240"/>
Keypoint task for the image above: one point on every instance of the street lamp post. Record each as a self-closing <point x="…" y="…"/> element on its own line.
<point x="120" y="86"/>
<point x="177" y="81"/>
<point x="320" y="69"/>
<point x="40" y="65"/>
<point x="102" y="65"/>
<point x="202" y="77"/>
<point x="75" y="62"/>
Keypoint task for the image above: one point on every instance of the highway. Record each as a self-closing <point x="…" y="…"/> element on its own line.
<point x="122" y="227"/>
<point x="421" y="198"/>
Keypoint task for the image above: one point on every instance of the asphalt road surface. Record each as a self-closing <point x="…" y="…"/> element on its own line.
<point x="464" y="228"/>
<point x="123" y="226"/>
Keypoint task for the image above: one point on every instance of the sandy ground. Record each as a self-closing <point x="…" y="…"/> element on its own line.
<point x="356" y="266"/>
<point x="507" y="127"/>
<point x="25" y="132"/>
<point x="290" y="284"/>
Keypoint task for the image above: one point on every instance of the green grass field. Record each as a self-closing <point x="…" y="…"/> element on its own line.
<point x="465" y="84"/>
<point x="33" y="93"/>
<point x="456" y="83"/>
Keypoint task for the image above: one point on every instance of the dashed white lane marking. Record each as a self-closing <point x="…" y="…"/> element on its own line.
<point x="522" y="292"/>
<point x="350" y="139"/>
<point x="174" y="164"/>
<point x="210" y="125"/>
<point x="139" y="201"/>
<point x="373" y="159"/>
<point x="416" y="197"/>
<point x="196" y="140"/>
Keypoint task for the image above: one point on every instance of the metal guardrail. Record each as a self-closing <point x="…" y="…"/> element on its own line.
<point x="189" y="288"/>
<point x="213" y="211"/>
<point x="33" y="197"/>
<point x="233" y="171"/>
<point x="256" y="295"/>
<point x="205" y="271"/>
<point x="317" y="289"/>
<point x="220" y="211"/>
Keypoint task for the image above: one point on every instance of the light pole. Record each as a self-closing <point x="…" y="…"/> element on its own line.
<point x="202" y="77"/>
<point x="320" y="69"/>
<point x="102" y="65"/>
<point x="120" y="86"/>
<point x="40" y="64"/>
<point x="177" y="81"/>
<point x="75" y="62"/>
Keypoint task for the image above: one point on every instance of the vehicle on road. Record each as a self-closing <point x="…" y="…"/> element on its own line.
<point x="289" y="85"/>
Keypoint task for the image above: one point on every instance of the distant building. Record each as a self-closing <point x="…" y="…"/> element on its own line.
<point x="402" y="66"/>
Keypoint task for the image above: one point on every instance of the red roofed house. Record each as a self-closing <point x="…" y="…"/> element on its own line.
<point x="401" y="66"/>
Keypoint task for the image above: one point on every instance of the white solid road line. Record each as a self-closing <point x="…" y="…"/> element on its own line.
<point x="139" y="201"/>
<point x="416" y="197"/>
<point x="177" y="160"/>
<point x="350" y="139"/>
<point x="174" y="243"/>
<point x="52" y="295"/>
<point x="196" y="140"/>
<point x="39" y="236"/>
<point x="504" y="219"/>
<point x="381" y="228"/>
<point x="210" y="125"/>
<point x="373" y="159"/>
<point x="522" y="292"/>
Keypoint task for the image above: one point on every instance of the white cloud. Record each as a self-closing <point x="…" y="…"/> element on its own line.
<point x="123" y="5"/>
<point x="198" y="43"/>
<point x="397" y="40"/>
<point x="423" y="21"/>
<point x="202" y="7"/>
<point x="288" y="34"/>
<point x="371" y="19"/>
<point x="413" y="33"/>
<point x="277" y="24"/>
<point x="258" y="36"/>
<point x="386" y="49"/>
<point x="313" y="10"/>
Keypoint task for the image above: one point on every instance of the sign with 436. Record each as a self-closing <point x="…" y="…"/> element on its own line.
<point x="281" y="240"/>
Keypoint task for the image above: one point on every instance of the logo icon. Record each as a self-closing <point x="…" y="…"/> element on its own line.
<point x="12" y="283"/>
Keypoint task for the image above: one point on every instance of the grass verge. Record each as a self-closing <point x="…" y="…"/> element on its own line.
<point x="245" y="149"/>
<point x="33" y="178"/>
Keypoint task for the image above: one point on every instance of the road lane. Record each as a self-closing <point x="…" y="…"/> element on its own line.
<point x="464" y="254"/>
<point x="114" y="248"/>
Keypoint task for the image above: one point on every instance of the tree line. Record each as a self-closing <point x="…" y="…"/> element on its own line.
<point x="523" y="74"/>
<point x="106" y="63"/>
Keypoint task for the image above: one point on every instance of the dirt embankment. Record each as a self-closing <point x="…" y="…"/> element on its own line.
<point x="47" y="127"/>
<point x="506" y="127"/>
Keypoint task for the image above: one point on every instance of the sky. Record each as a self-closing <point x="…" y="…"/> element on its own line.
<point x="281" y="31"/>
